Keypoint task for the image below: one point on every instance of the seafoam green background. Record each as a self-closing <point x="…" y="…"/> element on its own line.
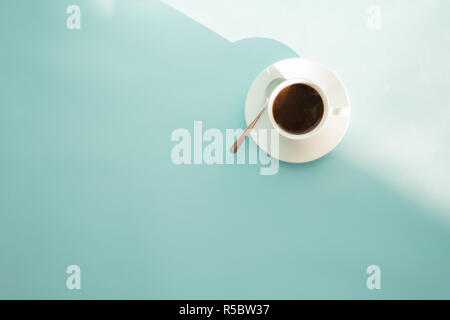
<point x="86" y="176"/>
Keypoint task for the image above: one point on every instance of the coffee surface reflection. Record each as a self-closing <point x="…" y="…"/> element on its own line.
<point x="298" y="108"/>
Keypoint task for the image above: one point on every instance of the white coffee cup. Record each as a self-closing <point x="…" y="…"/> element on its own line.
<point x="327" y="112"/>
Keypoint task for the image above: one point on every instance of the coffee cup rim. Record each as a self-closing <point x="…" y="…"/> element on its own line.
<point x="286" y="84"/>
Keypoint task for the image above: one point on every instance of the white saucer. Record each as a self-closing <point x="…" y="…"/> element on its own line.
<point x="323" y="141"/>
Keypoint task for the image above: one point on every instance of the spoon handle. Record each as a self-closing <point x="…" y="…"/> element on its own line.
<point x="237" y="144"/>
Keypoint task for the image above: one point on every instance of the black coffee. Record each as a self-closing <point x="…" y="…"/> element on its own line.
<point x="298" y="108"/>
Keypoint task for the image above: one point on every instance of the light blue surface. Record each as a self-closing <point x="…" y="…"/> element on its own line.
<point x="86" y="176"/>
